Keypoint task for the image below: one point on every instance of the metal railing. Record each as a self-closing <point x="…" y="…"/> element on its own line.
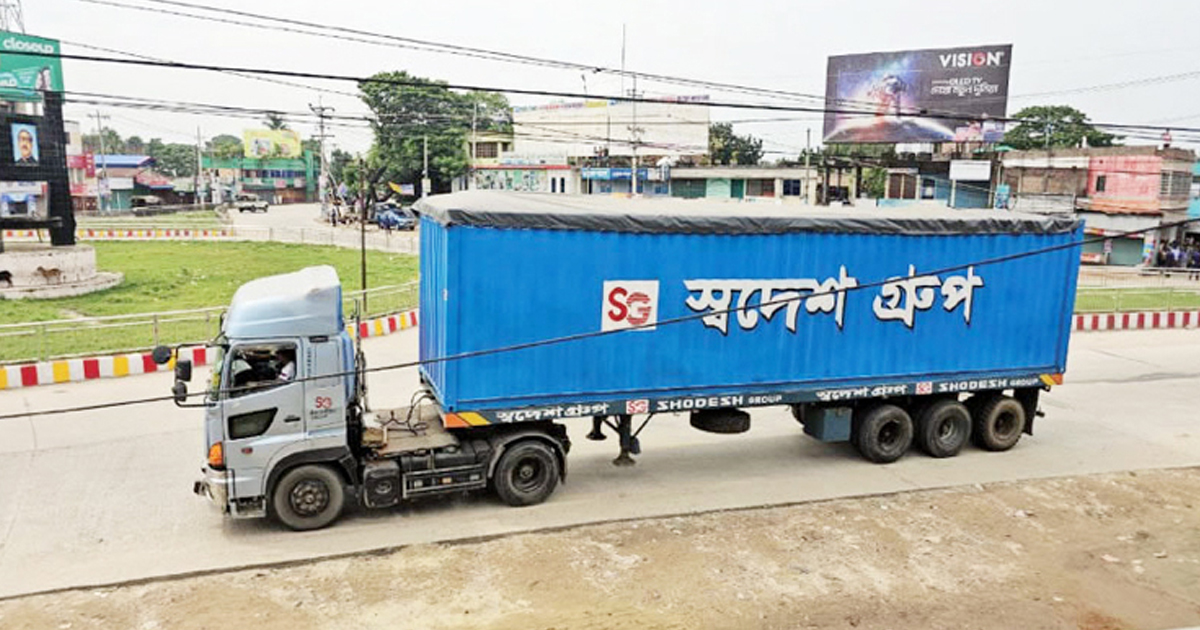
<point x="377" y="240"/>
<point x="89" y="336"/>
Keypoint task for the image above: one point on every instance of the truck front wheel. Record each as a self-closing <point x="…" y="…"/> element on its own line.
<point x="308" y="497"/>
<point x="526" y="474"/>
<point x="999" y="421"/>
<point x="883" y="433"/>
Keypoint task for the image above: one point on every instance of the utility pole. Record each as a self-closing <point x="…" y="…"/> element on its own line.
<point x="634" y="132"/>
<point x="807" y="159"/>
<point x="362" y="228"/>
<point x="101" y="168"/>
<point x="196" y="177"/>
<point x="425" y="183"/>
<point x="471" y="158"/>
<point x="320" y="110"/>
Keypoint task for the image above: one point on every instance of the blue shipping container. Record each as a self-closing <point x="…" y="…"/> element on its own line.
<point x="503" y="269"/>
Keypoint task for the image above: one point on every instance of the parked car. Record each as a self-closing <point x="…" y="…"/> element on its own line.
<point x="251" y="203"/>
<point x="392" y="217"/>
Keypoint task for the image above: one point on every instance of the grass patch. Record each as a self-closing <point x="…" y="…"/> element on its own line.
<point x="1134" y="299"/>
<point x="178" y="275"/>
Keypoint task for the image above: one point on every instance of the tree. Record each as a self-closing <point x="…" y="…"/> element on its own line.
<point x="177" y="160"/>
<point x="135" y="145"/>
<point x="275" y="121"/>
<point x="112" y="144"/>
<point x="406" y="116"/>
<point x="1068" y="127"/>
<point x="225" y="147"/>
<point x="726" y="147"/>
<point x="339" y="162"/>
<point x="875" y="181"/>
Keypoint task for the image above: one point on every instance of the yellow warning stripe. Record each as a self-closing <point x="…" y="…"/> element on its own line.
<point x="473" y="418"/>
<point x="61" y="371"/>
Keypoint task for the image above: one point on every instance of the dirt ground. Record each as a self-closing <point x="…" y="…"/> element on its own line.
<point x="1099" y="552"/>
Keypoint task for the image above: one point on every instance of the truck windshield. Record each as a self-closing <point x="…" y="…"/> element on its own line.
<point x="220" y="348"/>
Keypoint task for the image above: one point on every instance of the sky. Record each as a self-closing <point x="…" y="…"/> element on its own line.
<point x="777" y="44"/>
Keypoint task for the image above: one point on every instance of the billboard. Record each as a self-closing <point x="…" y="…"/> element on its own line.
<point x="22" y="75"/>
<point x="872" y="97"/>
<point x="676" y="126"/>
<point x="271" y="143"/>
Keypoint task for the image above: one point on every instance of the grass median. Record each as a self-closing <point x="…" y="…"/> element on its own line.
<point x="1136" y="299"/>
<point x="179" y="275"/>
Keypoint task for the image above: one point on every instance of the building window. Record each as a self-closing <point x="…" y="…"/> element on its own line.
<point x="791" y="188"/>
<point x="1175" y="184"/>
<point x="1100" y="182"/>
<point x="486" y="150"/>
<point x="553" y="184"/>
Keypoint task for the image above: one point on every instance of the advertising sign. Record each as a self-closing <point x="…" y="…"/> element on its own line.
<point x="23" y="75"/>
<point x="261" y="144"/>
<point x="876" y="97"/>
<point x="970" y="170"/>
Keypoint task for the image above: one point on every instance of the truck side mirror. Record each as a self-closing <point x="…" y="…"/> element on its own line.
<point x="180" y="392"/>
<point x="183" y="370"/>
<point x="161" y="355"/>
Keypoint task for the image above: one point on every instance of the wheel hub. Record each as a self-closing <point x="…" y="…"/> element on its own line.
<point x="309" y="497"/>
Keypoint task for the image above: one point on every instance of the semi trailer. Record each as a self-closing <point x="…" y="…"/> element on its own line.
<point x="885" y="327"/>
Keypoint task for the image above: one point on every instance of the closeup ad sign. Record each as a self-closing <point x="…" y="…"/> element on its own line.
<point x="28" y="66"/>
<point x="878" y="97"/>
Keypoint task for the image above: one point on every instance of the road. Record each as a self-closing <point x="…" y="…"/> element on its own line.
<point x="300" y="223"/>
<point x="105" y="496"/>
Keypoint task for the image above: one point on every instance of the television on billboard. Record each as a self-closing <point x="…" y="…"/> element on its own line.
<point x="261" y="144"/>
<point x="936" y="95"/>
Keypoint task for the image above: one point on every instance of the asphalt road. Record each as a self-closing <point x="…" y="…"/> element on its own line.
<point x="300" y="223"/>
<point x="105" y="496"/>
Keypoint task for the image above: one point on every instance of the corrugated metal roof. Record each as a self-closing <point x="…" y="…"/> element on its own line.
<point x="123" y="161"/>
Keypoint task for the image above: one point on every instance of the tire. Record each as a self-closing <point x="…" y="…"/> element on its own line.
<point x="883" y="433"/>
<point x="998" y="423"/>
<point x="798" y="413"/>
<point x="308" y="497"/>
<point x="526" y="474"/>
<point x="943" y="428"/>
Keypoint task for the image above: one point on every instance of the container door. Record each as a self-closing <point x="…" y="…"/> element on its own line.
<point x="264" y="410"/>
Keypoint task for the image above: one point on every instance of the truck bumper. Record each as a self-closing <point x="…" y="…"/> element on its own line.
<point x="214" y="486"/>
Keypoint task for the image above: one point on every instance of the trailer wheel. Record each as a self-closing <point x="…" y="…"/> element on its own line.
<point x="798" y="413"/>
<point x="999" y="421"/>
<point x="526" y="474"/>
<point x="943" y="428"/>
<point x="883" y="433"/>
<point x="308" y="497"/>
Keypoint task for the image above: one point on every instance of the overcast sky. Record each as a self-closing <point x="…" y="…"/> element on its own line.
<point x="777" y="44"/>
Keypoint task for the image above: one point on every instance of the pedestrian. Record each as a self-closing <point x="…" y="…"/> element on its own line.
<point x="1194" y="262"/>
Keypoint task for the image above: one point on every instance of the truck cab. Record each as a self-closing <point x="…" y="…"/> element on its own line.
<point x="281" y="390"/>
<point x="288" y="433"/>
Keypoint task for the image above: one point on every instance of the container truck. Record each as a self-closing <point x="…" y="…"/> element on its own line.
<point x="887" y="328"/>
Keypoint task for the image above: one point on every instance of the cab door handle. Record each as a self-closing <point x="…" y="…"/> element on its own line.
<point x="292" y="419"/>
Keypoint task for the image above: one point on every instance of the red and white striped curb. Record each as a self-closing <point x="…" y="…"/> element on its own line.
<point x="385" y="325"/>
<point x="73" y="370"/>
<point x="1136" y="321"/>
<point x="115" y="366"/>
<point x="127" y="234"/>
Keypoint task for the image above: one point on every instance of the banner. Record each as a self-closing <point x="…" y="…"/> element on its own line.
<point x="23" y="75"/>
<point x="872" y="97"/>
<point x="261" y="144"/>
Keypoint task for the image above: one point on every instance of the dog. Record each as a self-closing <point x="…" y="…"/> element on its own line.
<point x="52" y="273"/>
<point x="6" y="277"/>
